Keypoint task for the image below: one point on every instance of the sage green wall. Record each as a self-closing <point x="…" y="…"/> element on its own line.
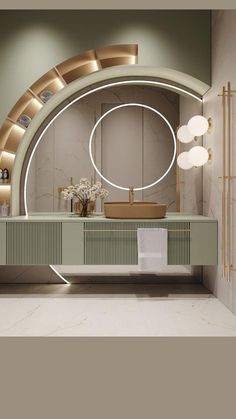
<point x="32" y="42"/>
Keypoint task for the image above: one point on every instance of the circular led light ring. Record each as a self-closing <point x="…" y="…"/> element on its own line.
<point x="123" y="106"/>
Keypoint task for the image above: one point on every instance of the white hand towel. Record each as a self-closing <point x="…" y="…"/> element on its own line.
<point x="152" y="248"/>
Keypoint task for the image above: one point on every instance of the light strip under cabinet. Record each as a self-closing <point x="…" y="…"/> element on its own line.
<point x="59" y="275"/>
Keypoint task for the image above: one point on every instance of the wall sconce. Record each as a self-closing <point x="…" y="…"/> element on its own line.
<point x="184" y="135"/>
<point x="183" y="161"/>
<point x="197" y="156"/>
<point x="197" y="126"/>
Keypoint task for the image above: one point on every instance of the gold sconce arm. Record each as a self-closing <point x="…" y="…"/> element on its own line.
<point x="61" y="188"/>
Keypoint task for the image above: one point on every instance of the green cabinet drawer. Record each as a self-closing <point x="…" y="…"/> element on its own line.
<point x="203" y="243"/>
<point x="72" y="243"/>
<point x="3" y="239"/>
<point x="33" y="243"/>
<point x="115" y="243"/>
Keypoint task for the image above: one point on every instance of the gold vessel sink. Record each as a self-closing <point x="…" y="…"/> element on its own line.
<point x="134" y="210"/>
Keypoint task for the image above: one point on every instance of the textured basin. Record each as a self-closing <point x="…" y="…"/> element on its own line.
<point x="135" y="210"/>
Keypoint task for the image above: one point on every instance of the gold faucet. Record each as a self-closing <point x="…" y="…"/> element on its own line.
<point x="131" y="195"/>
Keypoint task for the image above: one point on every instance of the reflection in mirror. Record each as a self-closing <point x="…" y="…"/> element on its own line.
<point x="132" y="147"/>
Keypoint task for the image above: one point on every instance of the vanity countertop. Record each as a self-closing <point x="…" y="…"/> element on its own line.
<point x="66" y="217"/>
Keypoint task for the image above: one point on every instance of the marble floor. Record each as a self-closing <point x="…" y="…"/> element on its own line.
<point x="112" y="310"/>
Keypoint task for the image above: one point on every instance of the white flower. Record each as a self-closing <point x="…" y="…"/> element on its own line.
<point x="104" y="193"/>
<point x="84" y="191"/>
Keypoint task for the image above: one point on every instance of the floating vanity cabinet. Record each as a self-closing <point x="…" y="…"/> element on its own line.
<point x="33" y="243"/>
<point x="3" y="235"/>
<point x="64" y="240"/>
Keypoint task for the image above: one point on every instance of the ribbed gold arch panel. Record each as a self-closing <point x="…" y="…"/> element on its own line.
<point x="30" y="103"/>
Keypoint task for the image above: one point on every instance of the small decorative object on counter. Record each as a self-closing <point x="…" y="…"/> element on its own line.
<point x="5" y="175"/>
<point x="5" y="209"/>
<point x="1" y="175"/>
<point x="86" y="193"/>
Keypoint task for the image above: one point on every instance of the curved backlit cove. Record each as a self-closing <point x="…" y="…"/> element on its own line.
<point x="124" y="106"/>
<point x="123" y="82"/>
<point x="59" y="275"/>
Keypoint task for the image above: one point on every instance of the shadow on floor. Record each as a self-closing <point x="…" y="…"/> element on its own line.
<point x="160" y="290"/>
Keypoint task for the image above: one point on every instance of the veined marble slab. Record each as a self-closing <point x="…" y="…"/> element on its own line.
<point x="67" y="217"/>
<point x="142" y="314"/>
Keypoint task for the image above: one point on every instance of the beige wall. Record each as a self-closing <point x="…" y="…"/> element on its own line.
<point x="32" y="42"/>
<point x="223" y="70"/>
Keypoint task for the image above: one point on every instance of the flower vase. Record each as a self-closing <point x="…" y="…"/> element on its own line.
<point x="84" y="209"/>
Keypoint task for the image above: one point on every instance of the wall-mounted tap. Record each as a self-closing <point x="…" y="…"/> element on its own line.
<point x="61" y="188"/>
<point x="131" y="195"/>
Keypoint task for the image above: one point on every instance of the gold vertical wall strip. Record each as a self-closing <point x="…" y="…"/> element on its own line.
<point x="229" y="174"/>
<point x="224" y="183"/>
<point x="227" y="177"/>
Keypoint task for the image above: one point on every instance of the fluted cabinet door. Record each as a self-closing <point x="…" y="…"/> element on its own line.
<point x="33" y="243"/>
<point x="115" y="243"/>
<point x="3" y="252"/>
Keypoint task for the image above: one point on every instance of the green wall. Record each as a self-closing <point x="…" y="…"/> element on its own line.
<point x="31" y="42"/>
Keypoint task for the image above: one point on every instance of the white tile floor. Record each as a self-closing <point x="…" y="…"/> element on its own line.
<point x="153" y="311"/>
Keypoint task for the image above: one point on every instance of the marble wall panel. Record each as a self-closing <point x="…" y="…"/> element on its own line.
<point x="158" y="148"/>
<point x="71" y="149"/>
<point x="31" y="185"/>
<point x="223" y="70"/>
<point x="122" y="150"/>
<point x="67" y="142"/>
<point x="41" y="175"/>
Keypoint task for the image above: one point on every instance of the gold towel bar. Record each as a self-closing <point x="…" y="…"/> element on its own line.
<point x="133" y="231"/>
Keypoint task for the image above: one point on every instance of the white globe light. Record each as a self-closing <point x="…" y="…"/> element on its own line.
<point x="183" y="161"/>
<point x="198" y="156"/>
<point x="184" y="135"/>
<point x="198" y="125"/>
